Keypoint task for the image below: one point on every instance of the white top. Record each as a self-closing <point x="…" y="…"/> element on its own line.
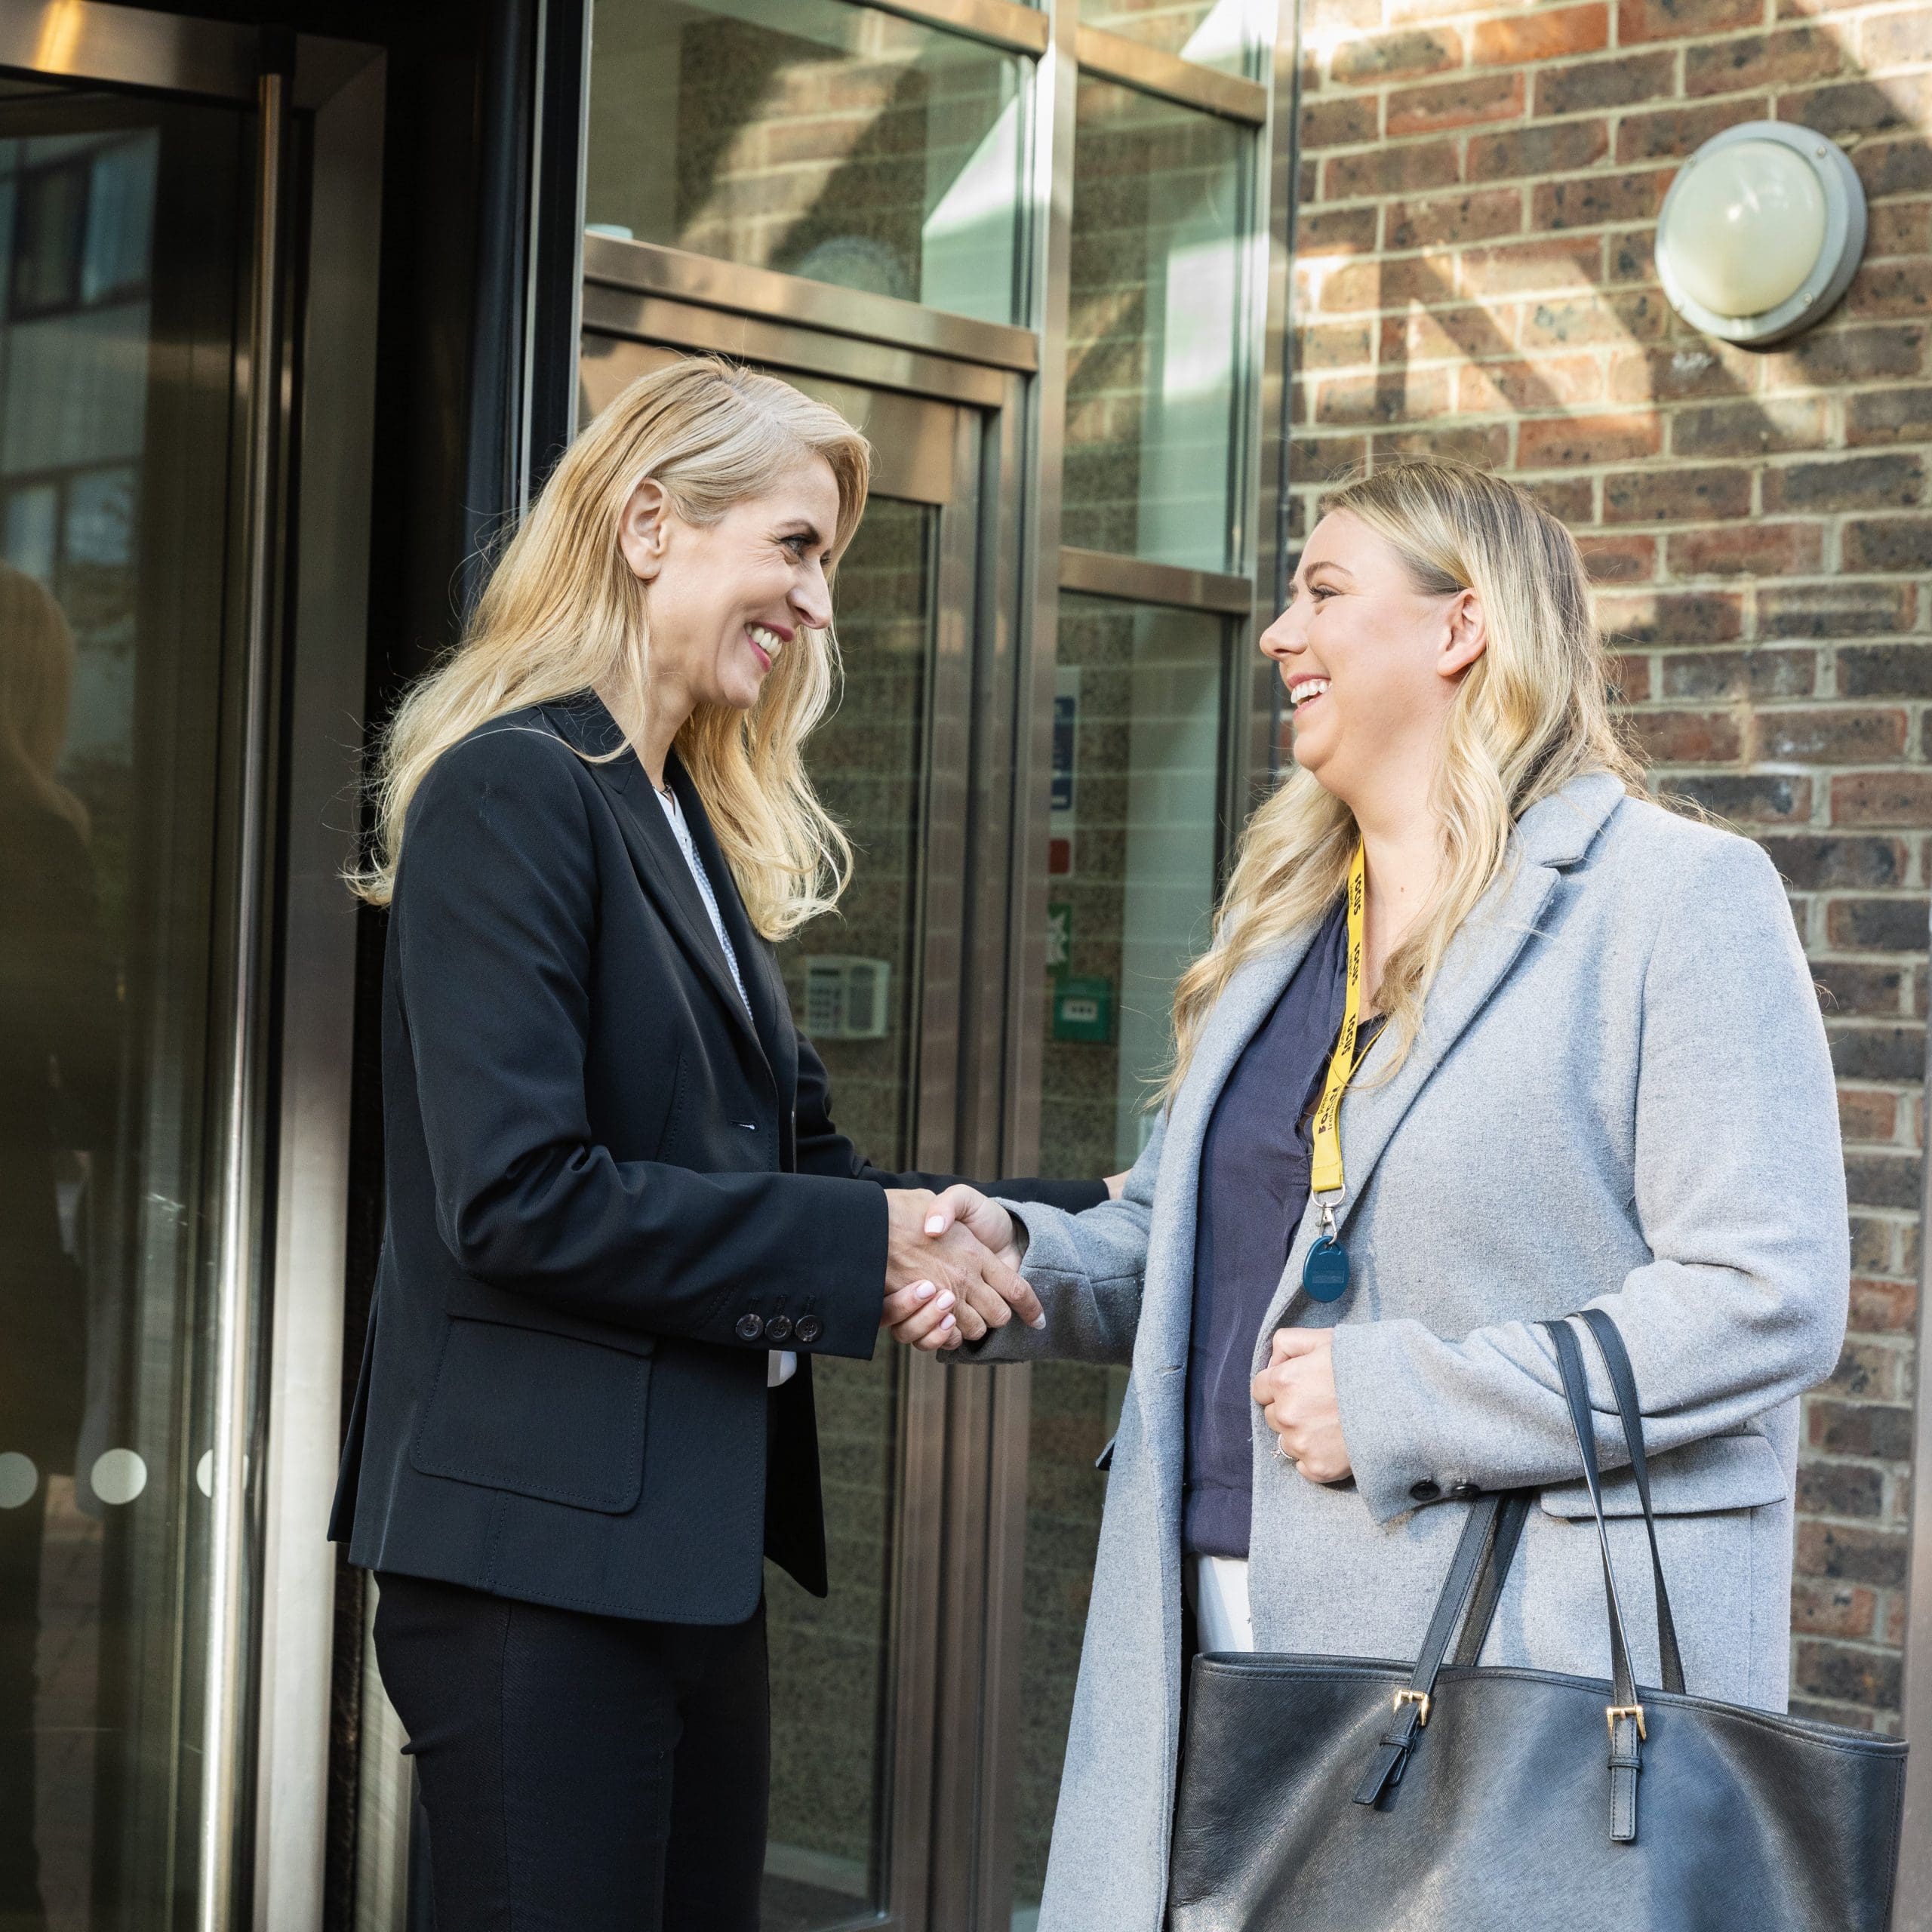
<point x="784" y="1363"/>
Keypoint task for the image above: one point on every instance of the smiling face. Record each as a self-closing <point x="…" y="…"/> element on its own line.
<point x="1371" y="663"/>
<point x="723" y="600"/>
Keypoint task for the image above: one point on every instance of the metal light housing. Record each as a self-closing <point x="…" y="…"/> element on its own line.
<point x="1760" y="233"/>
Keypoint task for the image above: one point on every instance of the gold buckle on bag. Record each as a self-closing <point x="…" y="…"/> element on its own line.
<point x="1613" y="1711"/>
<point x="1420" y="1697"/>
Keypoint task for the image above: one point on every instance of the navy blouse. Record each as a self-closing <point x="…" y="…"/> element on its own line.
<point x="1255" y="1174"/>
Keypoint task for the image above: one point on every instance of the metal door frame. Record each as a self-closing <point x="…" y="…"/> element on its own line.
<point x="947" y="1663"/>
<point x="284" y="1102"/>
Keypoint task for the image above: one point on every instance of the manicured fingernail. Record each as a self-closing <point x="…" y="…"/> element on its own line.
<point x="945" y="1301"/>
<point x="1040" y="1324"/>
<point x="923" y="1290"/>
<point x="935" y="1224"/>
<point x="946" y="1324"/>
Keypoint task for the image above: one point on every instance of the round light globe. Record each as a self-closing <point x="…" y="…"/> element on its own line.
<point x="1746" y="228"/>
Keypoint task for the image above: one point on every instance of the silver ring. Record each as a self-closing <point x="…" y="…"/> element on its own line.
<point x="1283" y="1453"/>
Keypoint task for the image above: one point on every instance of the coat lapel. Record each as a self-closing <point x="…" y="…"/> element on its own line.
<point x="1552" y="836"/>
<point x="584" y="724"/>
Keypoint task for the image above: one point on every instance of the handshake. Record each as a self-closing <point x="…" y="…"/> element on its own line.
<point x="952" y="1269"/>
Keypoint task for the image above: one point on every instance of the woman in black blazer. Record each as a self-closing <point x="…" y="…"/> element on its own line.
<point x="620" y="1220"/>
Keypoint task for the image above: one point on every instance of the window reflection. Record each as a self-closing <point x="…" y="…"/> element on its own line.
<point x="1225" y="34"/>
<point x="823" y="139"/>
<point x="1139" y="705"/>
<point x="1154" y="336"/>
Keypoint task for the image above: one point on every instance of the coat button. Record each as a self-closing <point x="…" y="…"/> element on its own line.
<point x="1425" y="1491"/>
<point x="750" y="1327"/>
<point x="779" y="1328"/>
<point x="1464" y="1492"/>
<point x="809" y="1329"/>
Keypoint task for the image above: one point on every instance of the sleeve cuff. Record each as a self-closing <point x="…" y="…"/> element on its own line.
<point x="1385" y="1420"/>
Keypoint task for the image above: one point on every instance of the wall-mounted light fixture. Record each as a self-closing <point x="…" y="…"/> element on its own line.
<point x="1761" y="232"/>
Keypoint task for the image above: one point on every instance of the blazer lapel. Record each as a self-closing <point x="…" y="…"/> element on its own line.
<point x="1552" y="835"/>
<point x="586" y="725"/>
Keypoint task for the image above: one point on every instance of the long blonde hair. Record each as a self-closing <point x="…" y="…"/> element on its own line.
<point x="562" y="613"/>
<point x="36" y="680"/>
<point x="1532" y="713"/>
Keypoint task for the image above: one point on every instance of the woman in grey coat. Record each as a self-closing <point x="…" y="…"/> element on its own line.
<point x="1600" y="1079"/>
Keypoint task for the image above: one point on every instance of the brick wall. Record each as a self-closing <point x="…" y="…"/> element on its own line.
<point x="1477" y="199"/>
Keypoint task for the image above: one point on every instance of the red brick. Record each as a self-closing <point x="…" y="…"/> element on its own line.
<point x="1762" y="60"/>
<point x="1594" y="201"/>
<point x="1675" y="494"/>
<point x="1557" y="264"/>
<point x="1548" y="382"/>
<point x="1561" y="442"/>
<point x="1666" y="618"/>
<point x="1748" y="549"/>
<point x="1863" y="1052"/>
<point x="1333" y="346"/>
<point x="1673" y="133"/>
<point x="1890" y="288"/>
<point x="1571" y="321"/>
<point x="1465" y="101"/>
<point x="1877" y="925"/>
<point x="1390" y="170"/>
<point x="1840" y="1489"/>
<point x="1485" y="444"/>
<point x="1839" y="609"/>
<point x="1453" y="220"/>
<point x="1834" y="356"/>
<point x="1623" y="81"/>
<point x="1882" y="799"/>
<point x="1852" y="1553"/>
<point x="1619" y="559"/>
<point x="1426" y="335"/>
<point x="1868" y="1677"/>
<point x="1886" y="1307"/>
<point x="1396" y="56"/>
<point x="1861" y="107"/>
<point x="1897" y="228"/>
<point x="1633" y="256"/>
<point x="1868" y="1113"/>
<point x="1891" y="40"/>
<point x="1749" y="427"/>
<point x="1355" y="285"/>
<point x="1630" y="677"/>
<point x="1547" y="34"/>
<point x="1320" y="231"/>
<point x="1836" y="735"/>
<point x="1862" y="1429"/>
<point x="1762" y="676"/>
<point x="1685" y="370"/>
<point x="1893" y="415"/>
<point x="1554" y="149"/>
<point x="1894" y="167"/>
<point x="1753" y="798"/>
<point x="1888" y="544"/>
<point x="1687" y="738"/>
<point x="1819" y="1609"/>
<point x="1674" y="20"/>
<point x="1846" y="483"/>
<point x="1400" y="397"/>
<point x="1343" y="123"/>
<point x="1867" y="988"/>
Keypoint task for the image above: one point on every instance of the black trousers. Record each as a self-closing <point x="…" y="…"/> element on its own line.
<point x="581" y="1774"/>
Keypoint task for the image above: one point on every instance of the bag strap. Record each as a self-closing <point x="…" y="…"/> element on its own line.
<point x="1622" y="1378"/>
<point x="1509" y="1522"/>
<point x="1460" y="1589"/>
<point x="1624" y="1714"/>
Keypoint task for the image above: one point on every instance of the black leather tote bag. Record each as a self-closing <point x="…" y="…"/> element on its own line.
<point x="1347" y="1794"/>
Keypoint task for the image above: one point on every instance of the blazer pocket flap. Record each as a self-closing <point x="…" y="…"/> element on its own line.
<point x="1720" y="1472"/>
<point x="477" y="1301"/>
<point x="541" y="1414"/>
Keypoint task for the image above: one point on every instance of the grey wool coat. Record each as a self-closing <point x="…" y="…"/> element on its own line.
<point x="1620" y="1097"/>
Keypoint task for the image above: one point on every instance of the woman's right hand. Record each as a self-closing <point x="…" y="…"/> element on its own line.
<point x="952" y="1268"/>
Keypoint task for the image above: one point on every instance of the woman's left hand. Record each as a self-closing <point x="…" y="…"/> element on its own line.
<point x="1296" y="1392"/>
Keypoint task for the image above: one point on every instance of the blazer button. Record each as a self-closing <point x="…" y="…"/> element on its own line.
<point x="750" y="1327"/>
<point x="779" y="1328"/>
<point x="809" y="1329"/>
<point x="1425" y="1491"/>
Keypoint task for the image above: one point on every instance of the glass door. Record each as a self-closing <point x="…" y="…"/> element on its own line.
<point x="125" y="274"/>
<point x="875" y="987"/>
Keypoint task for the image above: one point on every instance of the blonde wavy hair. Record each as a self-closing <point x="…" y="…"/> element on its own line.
<point x="563" y="614"/>
<point x="36" y="682"/>
<point x="1532" y="713"/>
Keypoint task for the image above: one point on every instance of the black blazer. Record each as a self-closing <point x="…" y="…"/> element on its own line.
<point x="610" y="1192"/>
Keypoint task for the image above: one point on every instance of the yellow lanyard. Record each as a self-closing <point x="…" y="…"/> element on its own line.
<point x="1325" y="1174"/>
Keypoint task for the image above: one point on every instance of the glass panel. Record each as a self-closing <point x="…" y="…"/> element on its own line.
<point x="1137" y="729"/>
<point x="824" y="139"/>
<point x="1226" y="34"/>
<point x="853" y="977"/>
<point x="1154" y="334"/>
<point x="119" y="284"/>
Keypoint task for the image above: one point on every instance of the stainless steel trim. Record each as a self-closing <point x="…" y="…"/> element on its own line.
<point x="1913" y="1905"/>
<point x="999" y="23"/>
<point x="644" y="268"/>
<point x="1149" y="70"/>
<point x="1099" y="573"/>
<point x="82" y="40"/>
<point x="303" y="1394"/>
<point x="224" y="1708"/>
<point x="612" y="313"/>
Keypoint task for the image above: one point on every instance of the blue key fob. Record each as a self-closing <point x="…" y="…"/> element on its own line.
<point x="1324" y="1272"/>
